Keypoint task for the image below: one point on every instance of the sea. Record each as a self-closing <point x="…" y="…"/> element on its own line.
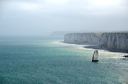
<point x="50" y="61"/>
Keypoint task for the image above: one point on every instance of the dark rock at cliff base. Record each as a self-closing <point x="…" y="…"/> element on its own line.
<point x="125" y="56"/>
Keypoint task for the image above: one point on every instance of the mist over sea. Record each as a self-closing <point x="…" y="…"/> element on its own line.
<point x="49" y="61"/>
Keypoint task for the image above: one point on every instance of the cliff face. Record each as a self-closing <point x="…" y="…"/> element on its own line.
<point x="111" y="41"/>
<point x="117" y="41"/>
<point x="82" y="38"/>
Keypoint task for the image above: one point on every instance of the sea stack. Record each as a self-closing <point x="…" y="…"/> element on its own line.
<point x="95" y="56"/>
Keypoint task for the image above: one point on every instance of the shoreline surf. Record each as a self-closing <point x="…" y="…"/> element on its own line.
<point x="85" y="47"/>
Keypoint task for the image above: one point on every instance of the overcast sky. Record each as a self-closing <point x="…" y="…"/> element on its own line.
<point x="41" y="17"/>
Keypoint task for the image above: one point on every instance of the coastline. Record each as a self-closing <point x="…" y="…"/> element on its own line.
<point x="103" y="52"/>
<point x="111" y="41"/>
<point x="107" y="49"/>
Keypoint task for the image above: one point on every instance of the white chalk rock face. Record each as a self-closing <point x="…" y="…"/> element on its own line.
<point x="82" y="38"/>
<point x="112" y="41"/>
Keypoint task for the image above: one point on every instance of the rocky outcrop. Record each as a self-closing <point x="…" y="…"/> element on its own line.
<point x="111" y="41"/>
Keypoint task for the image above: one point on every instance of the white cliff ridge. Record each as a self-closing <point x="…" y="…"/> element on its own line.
<point x="112" y="41"/>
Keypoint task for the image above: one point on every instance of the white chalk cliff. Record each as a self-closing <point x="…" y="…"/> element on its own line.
<point x="112" y="41"/>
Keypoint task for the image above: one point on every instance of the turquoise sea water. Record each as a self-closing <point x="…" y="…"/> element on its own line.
<point x="43" y="61"/>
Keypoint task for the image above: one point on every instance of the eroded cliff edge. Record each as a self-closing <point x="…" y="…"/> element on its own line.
<point x="111" y="41"/>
